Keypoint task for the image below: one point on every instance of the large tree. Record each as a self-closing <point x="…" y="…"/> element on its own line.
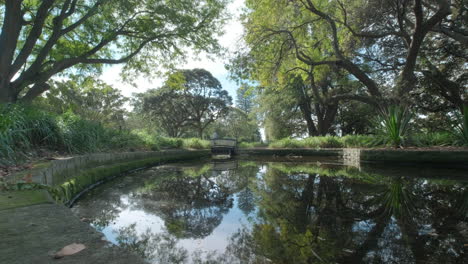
<point x="40" y="39"/>
<point x="167" y="109"/>
<point x="89" y="98"/>
<point x="377" y="42"/>
<point x="206" y="101"/>
<point x="187" y="103"/>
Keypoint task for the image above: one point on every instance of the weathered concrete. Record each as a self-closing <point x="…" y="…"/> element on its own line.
<point x="355" y="157"/>
<point x="33" y="227"/>
<point x="291" y="152"/>
<point x="34" y="234"/>
<point x="429" y="156"/>
<point x="58" y="171"/>
<point x="15" y="199"/>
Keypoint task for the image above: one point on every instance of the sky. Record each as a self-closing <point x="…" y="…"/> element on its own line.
<point x="233" y="31"/>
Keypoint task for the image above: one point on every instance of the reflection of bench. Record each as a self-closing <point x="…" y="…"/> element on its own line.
<point x="223" y="146"/>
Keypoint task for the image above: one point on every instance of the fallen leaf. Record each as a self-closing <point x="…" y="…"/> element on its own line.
<point x="69" y="250"/>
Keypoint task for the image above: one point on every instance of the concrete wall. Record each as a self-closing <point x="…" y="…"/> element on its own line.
<point x="61" y="170"/>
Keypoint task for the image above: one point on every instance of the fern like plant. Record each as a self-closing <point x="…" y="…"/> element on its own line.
<point x="393" y="122"/>
<point x="461" y="130"/>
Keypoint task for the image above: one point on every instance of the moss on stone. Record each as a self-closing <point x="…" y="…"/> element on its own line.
<point x="66" y="191"/>
<point x="16" y="199"/>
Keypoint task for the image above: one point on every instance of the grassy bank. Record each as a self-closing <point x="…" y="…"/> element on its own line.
<point x="26" y="131"/>
<point x="442" y="139"/>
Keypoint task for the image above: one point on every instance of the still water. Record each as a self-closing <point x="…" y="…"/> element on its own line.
<point x="284" y="212"/>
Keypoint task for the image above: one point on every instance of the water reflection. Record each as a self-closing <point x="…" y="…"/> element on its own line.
<point x="283" y="213"/>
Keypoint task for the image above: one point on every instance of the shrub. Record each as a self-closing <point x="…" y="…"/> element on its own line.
<point x="393" y="123"/>
<point x="432" y="139"/>
<point x="286" y="143"/>
<point x="165" y="142"/>
<point x="81" y="135"/>
<point x="361" y="141"/>
<point x="22" y="128"/>
<point x="195" y="143"/>
<point x="252" y="144"/>
<point x="332" y="142"/>
<point x="461" y="131"/>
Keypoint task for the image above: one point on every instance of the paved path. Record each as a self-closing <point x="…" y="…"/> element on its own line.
<point x="32" y="234"/>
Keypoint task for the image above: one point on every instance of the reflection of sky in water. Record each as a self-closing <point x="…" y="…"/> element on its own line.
<point x="344" y="211"/>
<point x="216" y="241"/>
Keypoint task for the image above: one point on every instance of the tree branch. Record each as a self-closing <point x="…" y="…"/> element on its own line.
<point x="33" y="36"/>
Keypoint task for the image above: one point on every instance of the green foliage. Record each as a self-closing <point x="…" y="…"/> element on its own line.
<point x="361" y="141"/>
<point x="252" y="144"/>
<point x="393" y="122"/>
<point x="311" y="142"/>
<point x="439" y="139"/>
<point x="26" y="128"/>
<point x="190" y="99"/>
<point x="171" y="143"/>
<point x="196" y="143"/>
<point x="22" y="128"/>
<point x="236" y="124"/>
<point x="88" y="98"/>
<point x="461" y="130"/>
<point x="86" y="34"/>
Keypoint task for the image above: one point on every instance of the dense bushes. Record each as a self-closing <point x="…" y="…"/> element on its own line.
<point x="441" y="139"/>
<point x="25" y="128"/>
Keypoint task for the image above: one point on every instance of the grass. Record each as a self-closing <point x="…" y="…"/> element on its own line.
<point x="324" y="142"/>
<point x="24" y="129"/>
<point x="440" y="139"/>
<point x="252" y="144"/>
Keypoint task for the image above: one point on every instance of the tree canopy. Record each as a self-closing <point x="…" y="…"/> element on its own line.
<point x="321" y="55"/>
<point x="189" y="99"/>
<point x="42" y="39"/>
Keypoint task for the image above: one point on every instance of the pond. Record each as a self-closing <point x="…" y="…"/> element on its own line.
<point x="284" y="211"/>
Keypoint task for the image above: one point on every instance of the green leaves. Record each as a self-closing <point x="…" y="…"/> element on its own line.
<point x="393" y="121"/>
<point x="62" y="36"/>
<point x="461" y="130"/>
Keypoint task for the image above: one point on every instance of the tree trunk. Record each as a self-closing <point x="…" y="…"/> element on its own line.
<point x="200" y="131"/>
<point x="6" y="93"/>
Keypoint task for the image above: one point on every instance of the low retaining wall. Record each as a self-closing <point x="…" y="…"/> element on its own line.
<point x="291" y="152"/>
<point x="67" y="178"/>
<point x="354" y="157"/>
<point x="440" y="157"/>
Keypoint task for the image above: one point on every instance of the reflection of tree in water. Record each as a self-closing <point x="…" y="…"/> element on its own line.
<point x="304" y="216"/>
<point x="158" y="248"/>
<point x="246" y="200"/>
<point x="307" y="218"/>
<point x="103" y="204"/>
<point x="191" y="206"/>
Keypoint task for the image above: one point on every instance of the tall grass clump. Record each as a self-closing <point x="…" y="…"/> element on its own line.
<point x="461" y="130"/>
<point x="252" y="144"/>
<point x="195" y="143"/>
<point x="434" y="139"/>
<point x="393" y="123"/>
<point x="22" y="128"/>
<point x="81" y="135"/>
<point x="310" y="142"/>
<point x="168" y="143"/>
<point x="286" y="143"/>
<point x="361" y="141"/>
